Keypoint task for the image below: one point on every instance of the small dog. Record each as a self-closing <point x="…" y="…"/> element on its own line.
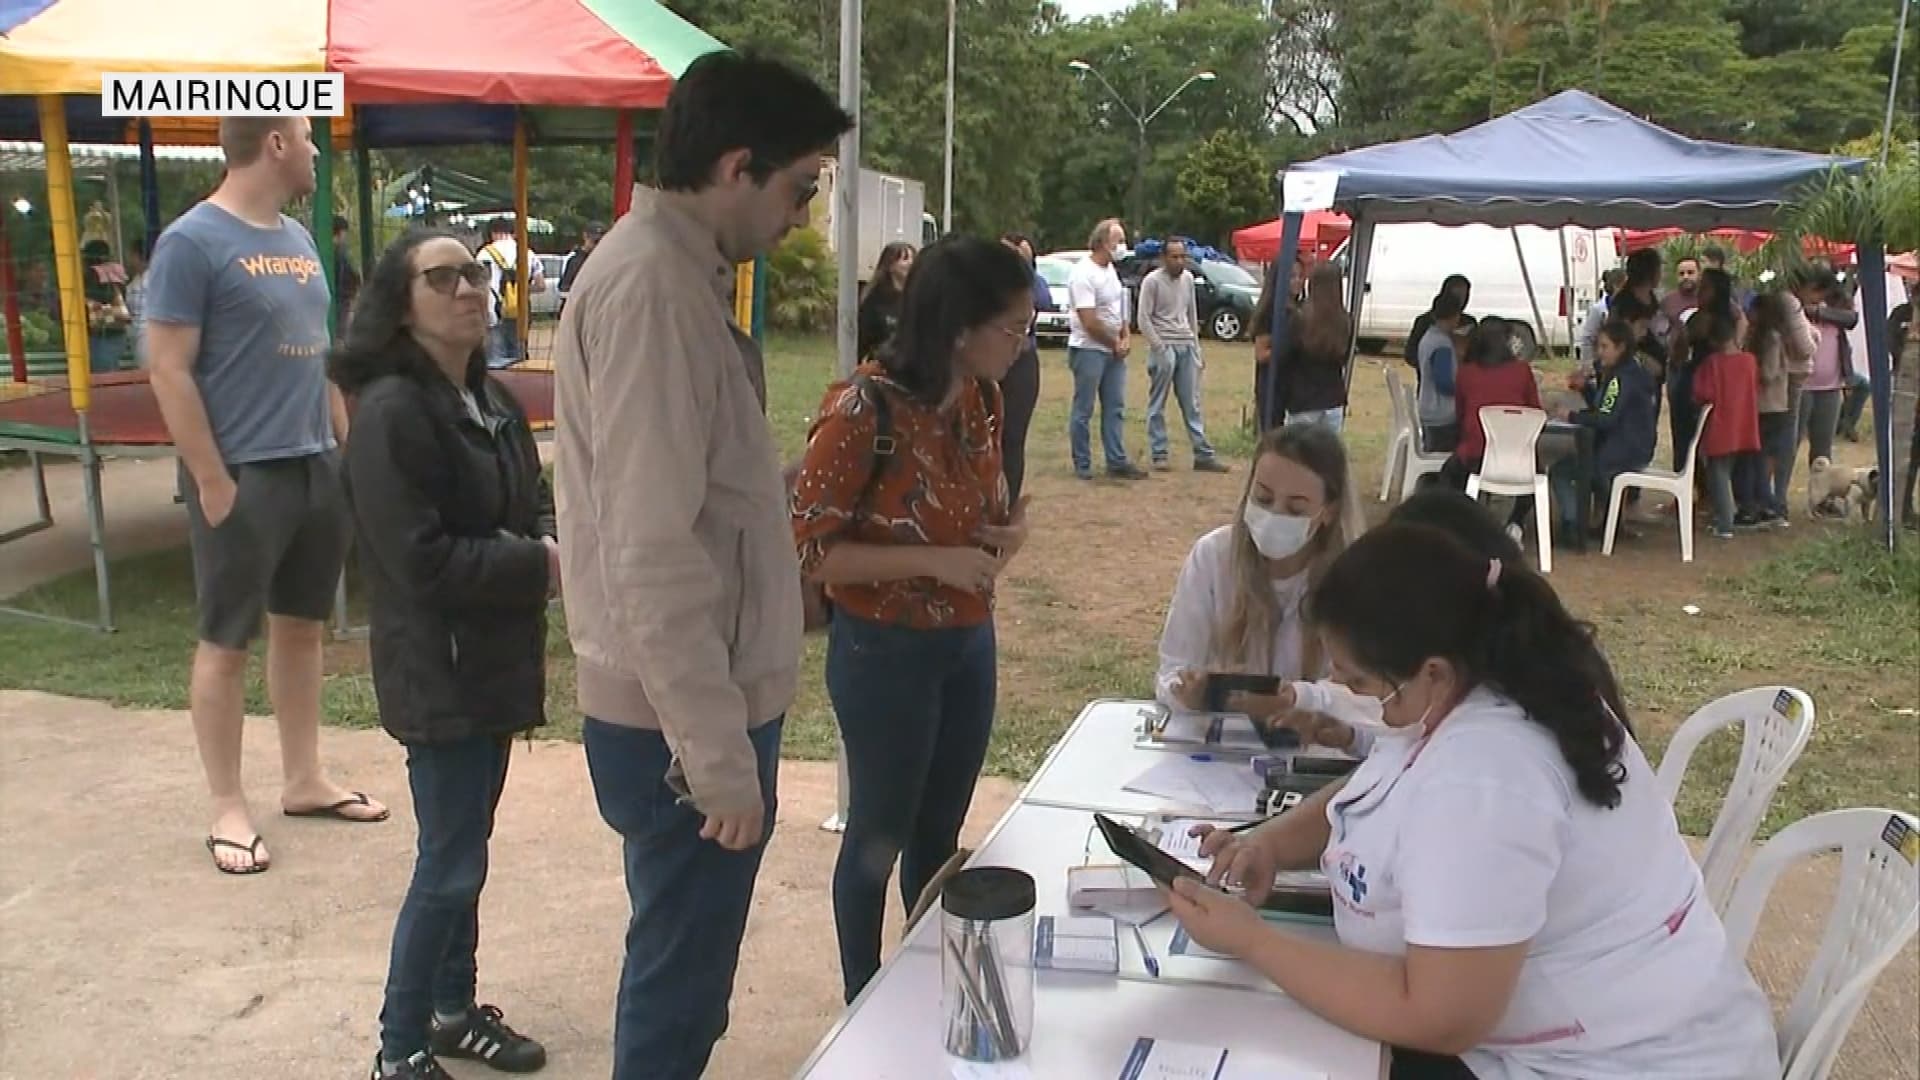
<point x="1839" y="490"/>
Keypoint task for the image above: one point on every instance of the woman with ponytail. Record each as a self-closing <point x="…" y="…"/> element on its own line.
<point x="1511" y="893"/>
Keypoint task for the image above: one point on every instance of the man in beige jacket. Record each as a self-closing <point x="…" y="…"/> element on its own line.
<point x="683" y="592"/>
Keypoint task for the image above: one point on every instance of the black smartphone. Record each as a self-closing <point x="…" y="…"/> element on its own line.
<point x="1222" y="685"/>
<point x="1317" y="903"/>
<point x="1304" y="765"/>
<point x="1138" y="851"/>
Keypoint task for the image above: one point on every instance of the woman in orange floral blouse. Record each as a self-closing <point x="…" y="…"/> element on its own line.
<point x="900" y="509"/>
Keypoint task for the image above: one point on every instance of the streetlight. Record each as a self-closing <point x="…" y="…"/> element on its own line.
<point x="1138" y="194"/>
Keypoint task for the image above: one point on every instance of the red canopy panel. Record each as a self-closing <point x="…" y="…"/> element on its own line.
<point x="500" y="52"/>
<point x="1321" y="233"/>
<point x="1745" y="241"/>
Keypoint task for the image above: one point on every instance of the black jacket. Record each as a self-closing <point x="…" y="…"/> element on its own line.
<point x="1310" y="381"/>
<point x="449" y="513"/>
<point x="879" y="317"/>
<point x="1623" y="410"/>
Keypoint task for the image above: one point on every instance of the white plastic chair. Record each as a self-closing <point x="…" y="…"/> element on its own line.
<point x="1876" y="911"/>
<point x="1677" y="484"/>
<point x="1508" y="467"/>
<point x="1403" y="437"/>
<point x="1419" y="463"/>
<point x="1775" y="723"/>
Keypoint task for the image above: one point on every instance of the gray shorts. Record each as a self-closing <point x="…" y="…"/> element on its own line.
<point x="279" y="552"/>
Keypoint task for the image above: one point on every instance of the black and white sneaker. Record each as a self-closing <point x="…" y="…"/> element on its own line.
<point x="420" y="1066"/>
<point x="486" y="1038"/>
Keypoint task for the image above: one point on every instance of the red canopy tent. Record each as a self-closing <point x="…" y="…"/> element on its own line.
<point x="1320" y="235"/>
<point x="1745" y="241"/>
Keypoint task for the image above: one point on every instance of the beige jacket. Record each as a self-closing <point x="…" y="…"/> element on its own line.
<point x="682" y="588"/>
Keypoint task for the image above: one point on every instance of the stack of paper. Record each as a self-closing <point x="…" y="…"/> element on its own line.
<point x="1162" y="1059"/>
<point x="1224" y="787"/>
<point x="1201" y="731"/>
<point x="1062" y="943"/>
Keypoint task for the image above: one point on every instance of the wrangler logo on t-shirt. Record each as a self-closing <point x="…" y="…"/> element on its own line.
<point x="300" y="268"/>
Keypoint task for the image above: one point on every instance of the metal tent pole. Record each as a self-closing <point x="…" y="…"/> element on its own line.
<point x="846" y="238"/>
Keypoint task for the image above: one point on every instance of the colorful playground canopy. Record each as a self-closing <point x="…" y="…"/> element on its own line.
<point x="475" y="60"/>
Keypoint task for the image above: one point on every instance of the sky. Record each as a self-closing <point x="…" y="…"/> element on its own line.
<point x="1080" y="9"/>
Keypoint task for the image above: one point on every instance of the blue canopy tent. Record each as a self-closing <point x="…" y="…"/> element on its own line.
<point x="1574" y="159"/>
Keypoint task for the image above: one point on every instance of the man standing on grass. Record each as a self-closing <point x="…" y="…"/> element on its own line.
<point x="1170" y="320"/>
<point x="236" y="339"/>
<point x="1097" y="347"/>
<point x="683" y="599"/>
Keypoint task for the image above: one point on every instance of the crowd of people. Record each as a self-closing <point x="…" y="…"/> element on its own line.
<point x="1484" y="928"/>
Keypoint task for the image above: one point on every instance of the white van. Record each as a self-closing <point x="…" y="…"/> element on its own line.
<point x="1411" y="260"/>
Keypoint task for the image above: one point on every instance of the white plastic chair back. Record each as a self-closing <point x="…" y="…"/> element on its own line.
<point x="1775" y="723"/>
<point x="1875" y="913"/>
<point x="1401" y="439"/>
<point x="1398" y="401"/>
<point x="1419" y="461"/>
<point x="1677" y="484"/>
<point x="1512" y="433"/>
<point x="1693" y="447"/>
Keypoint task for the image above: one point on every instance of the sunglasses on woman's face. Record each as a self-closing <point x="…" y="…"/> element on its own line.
<point x="446" y="280"/>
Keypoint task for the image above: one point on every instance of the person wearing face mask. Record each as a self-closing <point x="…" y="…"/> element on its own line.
<point x="1236" y="608"/>
<point x="1488" y="923"/>
<point x="909" y="535"/>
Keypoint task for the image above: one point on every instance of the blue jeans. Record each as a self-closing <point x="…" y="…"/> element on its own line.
<point x="1858" y="391"/>
<point x="689" y="899"/>
<point x="915" y="708"/>
<point x="1175" y="368"/>
<point x="503" y="344"/>
<point x="1097" y="372"/>
<point x="1333" y="419"/>
<point x="456" y="788"/>
<point x="1777" y="431"/>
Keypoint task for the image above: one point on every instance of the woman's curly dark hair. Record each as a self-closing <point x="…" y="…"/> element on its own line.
<point x="377" y="342"/>
<point x="1402" y="594"/>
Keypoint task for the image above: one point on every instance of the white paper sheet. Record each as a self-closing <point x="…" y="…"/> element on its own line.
<point x="1164" y="1059"/>
<point x="1230" y="787"/>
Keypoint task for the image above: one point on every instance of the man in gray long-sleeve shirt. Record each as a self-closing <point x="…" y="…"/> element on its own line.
<point x="1170" y="320"/>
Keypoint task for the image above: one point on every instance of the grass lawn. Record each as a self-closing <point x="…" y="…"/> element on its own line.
<point x="1815" y="606"/>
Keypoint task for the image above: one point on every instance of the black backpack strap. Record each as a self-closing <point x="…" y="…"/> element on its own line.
<point x="885" y="446"/>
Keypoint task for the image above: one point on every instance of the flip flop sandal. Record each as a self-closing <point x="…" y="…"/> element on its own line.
<point x="337" y="812"/>
<point x="214" y="843"/>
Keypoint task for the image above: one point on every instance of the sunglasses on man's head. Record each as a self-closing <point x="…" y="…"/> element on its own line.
<point x="446" y="279"/>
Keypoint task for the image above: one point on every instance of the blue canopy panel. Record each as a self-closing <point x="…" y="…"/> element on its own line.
<point x="1572" y="159"/>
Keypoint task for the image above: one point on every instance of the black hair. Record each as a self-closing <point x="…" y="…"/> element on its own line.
<point x="1643" y="267"/>
<point x="882" y="284"/>
<point x="500" y="226"/>
<point x="1491" y="344"/>
<point x="958" y="284"/>
<point x="1456" y="281"/>
<point x="1719" y="285"/>
<point x="1694" y="259"/>
<point x="725" y="102"/>
<point x="1015" y="239"/>
<point x="1465" y="519"/>
<point x="339" y="223"/>
<point x="378" y="342"/>
<point x="1447" y="305"/>
<point x="1715" y="254"/>
<point x="1403" y="594"/>
<point x="1620" y="332"/>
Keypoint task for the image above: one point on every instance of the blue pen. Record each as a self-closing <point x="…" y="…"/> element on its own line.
<point x="1200" y="757"/>
<point x="1146" y="954"/>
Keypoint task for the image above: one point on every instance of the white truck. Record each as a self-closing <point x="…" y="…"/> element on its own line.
<point x="891" y="208"/>
<point x="1410" y="260"/>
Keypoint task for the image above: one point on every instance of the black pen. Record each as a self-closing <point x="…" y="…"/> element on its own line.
<point x="1249" y="826"/>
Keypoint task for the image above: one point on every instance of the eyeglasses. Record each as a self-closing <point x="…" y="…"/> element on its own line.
<point x="807" y="195"/>
<point x="446" y="280"/>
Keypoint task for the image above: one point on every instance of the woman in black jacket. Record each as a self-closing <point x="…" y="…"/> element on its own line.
<point x="455" y="526"/>
<point x="880" y="307"/>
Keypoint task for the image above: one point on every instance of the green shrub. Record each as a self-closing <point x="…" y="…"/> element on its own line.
<point x="38" y="331"/>
<point x="801" y="284"/>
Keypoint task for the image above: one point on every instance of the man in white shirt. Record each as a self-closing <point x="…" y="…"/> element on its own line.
<point x="1097" y="347"/>
<point x="1170" y="320"/>
<point x="501" y="258"/>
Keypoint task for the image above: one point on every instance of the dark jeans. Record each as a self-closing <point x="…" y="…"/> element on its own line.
<point x="1734" y="482"/>
<point x="1683" y="416"/>
<point x="1776" y="450"/>
<point x="915" y="708"/>
<point x="689" y="898"/>
<point x="1858" y="392"/>
<point x="1819" y="420"/>
<point x="456" y="788"/>
<point x="1019" y="392"/>
<point x="1751" y="491"/>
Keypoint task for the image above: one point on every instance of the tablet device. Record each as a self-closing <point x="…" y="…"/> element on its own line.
<point x="1221" y="685"/>
<point x="1305" y="902"/>
<point x="1137" y="850"/>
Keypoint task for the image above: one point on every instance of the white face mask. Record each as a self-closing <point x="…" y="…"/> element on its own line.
<point x="1276" y="535"/>
<point x="1372" y="717"/>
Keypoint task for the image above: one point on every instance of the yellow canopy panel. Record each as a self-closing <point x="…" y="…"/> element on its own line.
<point x="65" y="48"/>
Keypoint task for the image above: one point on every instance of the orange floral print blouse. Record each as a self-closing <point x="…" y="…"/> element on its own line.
<point x="942" y="482"/>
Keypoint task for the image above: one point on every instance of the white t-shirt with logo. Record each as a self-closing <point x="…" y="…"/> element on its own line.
<point x="1098" y="287"/>
<point x="1477" y="837"/>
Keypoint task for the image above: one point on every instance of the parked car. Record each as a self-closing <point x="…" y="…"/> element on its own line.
<point x="1051" y="326"/>
<point x="1225" y="294"/>
<point x="545" y="304"/>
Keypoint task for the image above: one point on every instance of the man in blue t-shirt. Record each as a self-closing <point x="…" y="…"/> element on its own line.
<point x="236" y="340"/>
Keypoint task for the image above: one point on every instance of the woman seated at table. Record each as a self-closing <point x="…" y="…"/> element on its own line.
<point x="1491" y="376"/>
<point x="1511" y="893"/>
<point x="1620" y="408"/>
<point x="909" y="541"/>
<point x="1236" y="607"/>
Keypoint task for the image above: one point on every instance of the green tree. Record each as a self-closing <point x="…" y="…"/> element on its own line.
<point x="1224" y="184"/>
